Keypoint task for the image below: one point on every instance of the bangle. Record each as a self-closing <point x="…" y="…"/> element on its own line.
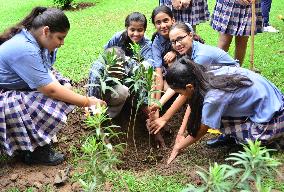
<point x="87" y="102"/>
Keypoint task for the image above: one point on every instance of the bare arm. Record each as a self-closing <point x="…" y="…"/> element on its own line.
<point x="159" y="83"/>
<point x="57" y="91"/>
<point x="184" y="121"/>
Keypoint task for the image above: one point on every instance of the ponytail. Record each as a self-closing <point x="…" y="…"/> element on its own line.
<point x="55" y="19"/>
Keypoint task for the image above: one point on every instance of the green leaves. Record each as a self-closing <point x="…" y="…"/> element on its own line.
<point x="99" y="156"/>
<point x="63" y="4"/>
<point x="253" y="165"/>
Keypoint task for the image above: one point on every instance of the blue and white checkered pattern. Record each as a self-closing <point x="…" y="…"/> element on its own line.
<point x="244" y="128"/>
<point x="231" y="18"/>
<point x="29" y="119"/>
<point x="196" y="13"/>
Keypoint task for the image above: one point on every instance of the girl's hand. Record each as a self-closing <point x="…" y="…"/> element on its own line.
<point x="185" y="3"/>
<point x="169" y="57"/>
<point x="176" y="150"/>
<point x="245" y="2"/>
<point x="154" y="107"/>
<point x="154" y="126"/>
<point x="177" y="4"/>
<point x="96" y="101"/>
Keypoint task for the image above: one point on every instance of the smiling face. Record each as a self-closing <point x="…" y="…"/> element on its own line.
<point x="181" y="41"/>
<point x="163" y="22"/>
<point x="135" y="31"/>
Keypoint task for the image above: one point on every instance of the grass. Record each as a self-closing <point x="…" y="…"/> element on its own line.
<point x="91" y="28"/>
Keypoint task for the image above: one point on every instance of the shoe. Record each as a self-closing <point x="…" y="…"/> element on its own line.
<point x="43" y="155"/>
<point x="270" y="29"/>
<point x="221" y="141"/>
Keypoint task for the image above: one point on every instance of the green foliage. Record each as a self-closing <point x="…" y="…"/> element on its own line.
<point x="254" y="164"/>
<point x="99" y="156"/>
<point x="111" y="65"/>
<point x="136" y="48"/>
<point x="63" y="4"/>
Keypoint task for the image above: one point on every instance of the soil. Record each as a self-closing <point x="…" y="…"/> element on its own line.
<point x="15" y="174"/>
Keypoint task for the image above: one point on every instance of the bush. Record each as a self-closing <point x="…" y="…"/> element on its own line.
<point x="63" y="4"/>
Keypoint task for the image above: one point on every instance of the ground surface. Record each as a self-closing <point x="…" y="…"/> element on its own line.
<point x="15" y="174"/>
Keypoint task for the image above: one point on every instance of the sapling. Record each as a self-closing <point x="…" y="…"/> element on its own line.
<point x="253" y="165"/>
<point x="98" y="155"/>
<point x="140" y="85"/>
<point x="110" y="74"/>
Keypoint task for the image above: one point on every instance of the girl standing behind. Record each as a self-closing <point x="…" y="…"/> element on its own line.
<point x="187" y="11"/>
<point x="232" y="18"/>
<point x="33" y="103"/>
<point x="136" y="25"/>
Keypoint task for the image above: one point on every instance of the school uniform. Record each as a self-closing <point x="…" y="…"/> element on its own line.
<point x="144" y="43"/>
<point x="196" y="13"/>
<point x="255" y="112"/>
<point x="206" y="54"/>
<point x="28" y="118"/>
<point x="230" y="17"/>
<point x="160" y="47"/>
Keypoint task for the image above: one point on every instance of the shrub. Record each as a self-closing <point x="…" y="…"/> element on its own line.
<point x="63" y="4"/>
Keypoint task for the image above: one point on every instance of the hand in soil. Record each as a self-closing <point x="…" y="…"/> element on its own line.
<point x="176" y="149"/>
<point x="173" y="155"/>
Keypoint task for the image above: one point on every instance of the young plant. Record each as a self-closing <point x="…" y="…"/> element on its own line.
<point x="253" y="165"/>
<point x="141" y="85"/>
<point x="106" y="79"/>
<point x="99" y="156"/>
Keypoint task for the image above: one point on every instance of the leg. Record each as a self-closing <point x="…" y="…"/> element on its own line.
<point x="265" y="8"/>
<point x="224" y="41"/>
<point x="241" y="47"/>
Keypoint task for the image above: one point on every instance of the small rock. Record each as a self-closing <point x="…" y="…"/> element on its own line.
<point x="37" y="185"/>
<point x="14" y="177"/>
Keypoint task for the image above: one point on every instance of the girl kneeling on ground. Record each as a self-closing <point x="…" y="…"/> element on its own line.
<point x="234" y="100"/>
<point x="34" y="102"/>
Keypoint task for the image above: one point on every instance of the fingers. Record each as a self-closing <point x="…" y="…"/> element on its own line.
<point x="173" y="155"/>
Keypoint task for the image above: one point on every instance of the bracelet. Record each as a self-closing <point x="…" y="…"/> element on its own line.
<point x="87" y="102"/>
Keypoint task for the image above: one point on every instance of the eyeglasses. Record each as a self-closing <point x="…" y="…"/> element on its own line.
<point x="179" y="40"/>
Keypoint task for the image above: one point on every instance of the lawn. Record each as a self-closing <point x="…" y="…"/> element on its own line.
<point x="91" y="28"/>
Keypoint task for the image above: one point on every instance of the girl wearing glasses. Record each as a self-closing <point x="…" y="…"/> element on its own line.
<point x="182" y="41"/>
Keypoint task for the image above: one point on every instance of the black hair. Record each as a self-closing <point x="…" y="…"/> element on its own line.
<point x="184" y="27"/>
<point x="55" y="19"/>
<point x="125" y="40"/>
<point x="156" y="11"/>
<point x="184" y="71"/>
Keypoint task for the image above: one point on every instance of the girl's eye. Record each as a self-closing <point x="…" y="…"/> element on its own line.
<point x="158" y="22"/>
<point x="166" y="20"/>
